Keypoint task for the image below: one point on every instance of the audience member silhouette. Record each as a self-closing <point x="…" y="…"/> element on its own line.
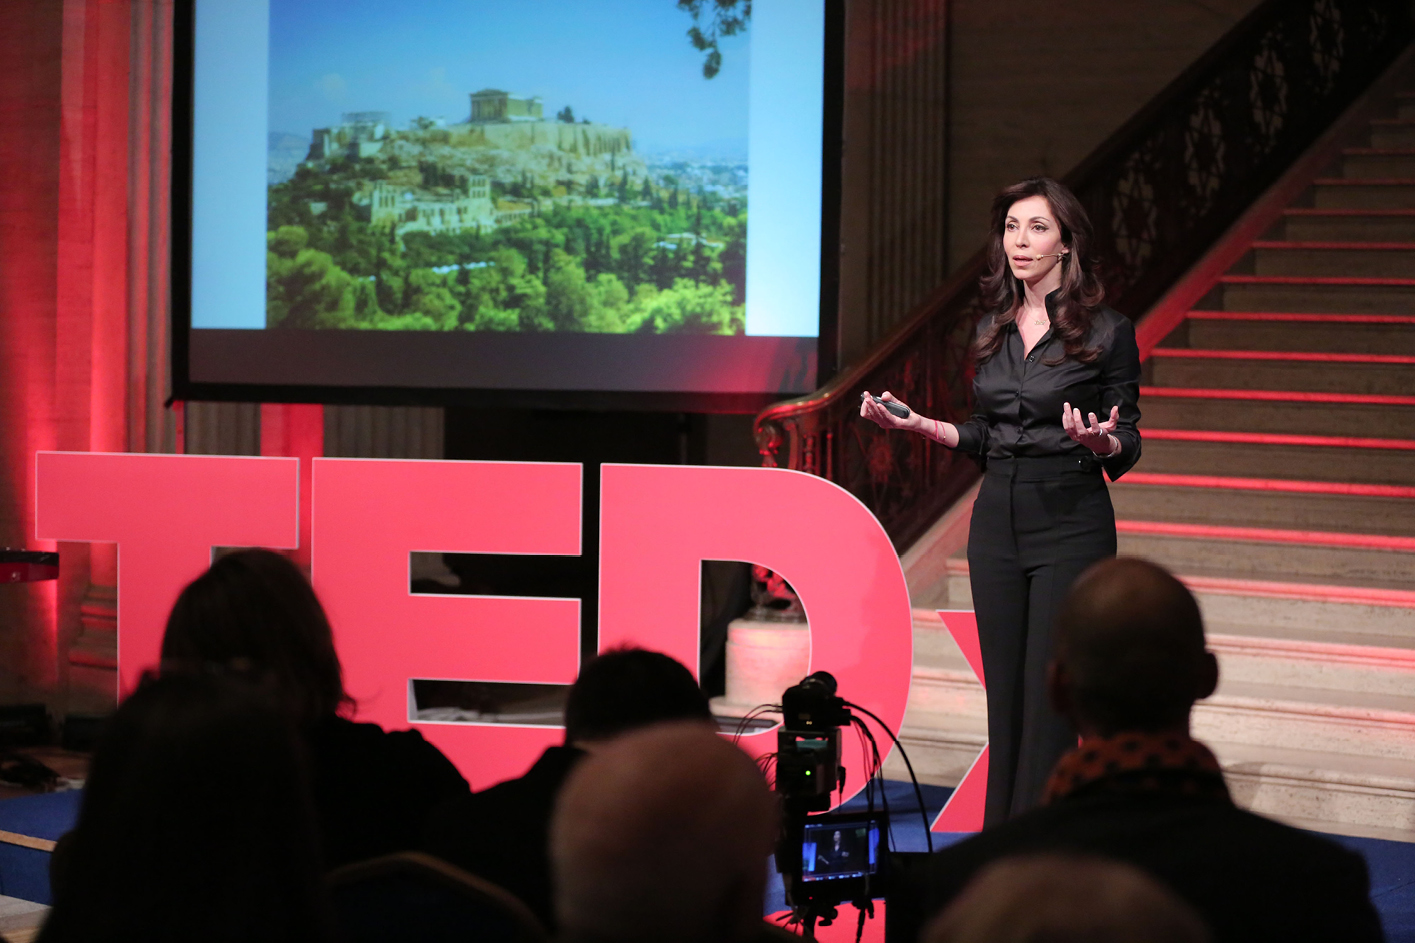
<point x="1065" y="899"/>
<point x="663" y="834"/>
<point x="501" y="833"/>
<point x="1130" y="662"/>
<point x="196" y="824"/>
<point x="372" y="789"/>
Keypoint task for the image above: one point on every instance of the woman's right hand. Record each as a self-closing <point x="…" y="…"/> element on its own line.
<point x="882" y="417"/>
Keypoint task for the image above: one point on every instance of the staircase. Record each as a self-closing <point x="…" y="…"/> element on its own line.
<point x="1278" y="479"/>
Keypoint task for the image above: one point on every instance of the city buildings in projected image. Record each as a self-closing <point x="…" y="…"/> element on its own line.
<point x="506" y="139"/>
<point x="520" y="212"/>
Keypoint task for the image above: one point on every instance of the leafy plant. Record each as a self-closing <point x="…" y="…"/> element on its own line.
<point x="713" y="19"/>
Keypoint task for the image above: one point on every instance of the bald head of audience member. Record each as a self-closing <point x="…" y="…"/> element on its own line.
<point x="1066" y="899"/>
<point x="1130" y="652"/>
<point x="662" y="833"/>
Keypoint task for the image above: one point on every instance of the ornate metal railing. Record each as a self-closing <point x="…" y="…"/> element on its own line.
<point x="1158" y="192"/>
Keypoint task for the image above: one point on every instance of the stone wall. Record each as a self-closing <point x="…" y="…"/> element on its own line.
<point x="1038" y="85"/>
<point x="948" y="102"/>
<point x="587" y="140"/>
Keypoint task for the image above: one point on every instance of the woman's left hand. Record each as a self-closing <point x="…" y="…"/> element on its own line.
<point x="1096" y="436"/>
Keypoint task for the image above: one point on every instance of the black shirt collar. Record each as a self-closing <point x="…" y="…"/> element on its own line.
<point x="1052" y="299"/>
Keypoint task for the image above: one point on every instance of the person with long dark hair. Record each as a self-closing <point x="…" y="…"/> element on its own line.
<point x="373" y="789"/>
<point x="1055" y="387"/>
<point x="196" y="824"/>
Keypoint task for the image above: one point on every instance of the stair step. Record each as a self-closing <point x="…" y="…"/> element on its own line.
<point x="1249" y="502"/>
<point x="1309" y="664"/>
<point x="1399" y="544"/>
<point x="1331" y="792"/>
<point x="1312" y="612"/>
<point x="1393" y="133"/>
<point x="952" y="692"/>
<point x="1381" y="726"/>
<point x="1321" y="669"/>
<point x="1324" y="669"/>
<point x="1377" y="162"/>
<point x="1276" y="411"/>
<point x="1344" y="702"/>
<point x="1318" y="613"/>
<point x="940" y="755"/>
<point x="945" y="725"/>
<point x="1405" y="105"/>
<point x="1338" y="333"/>
<point x="1279" y="486"/>
<point x="1318" y="294"/>
<point x="933" y="646"/>
<point x="1287" y="370"/>
<point x="1306" y="223"/>
<point x="1269" y="554"/>
<point x="1313" y="257"/>
<point x="1276" y="459"/>
<point x="1244" y="437"/>
<point x="1387" y="193"/>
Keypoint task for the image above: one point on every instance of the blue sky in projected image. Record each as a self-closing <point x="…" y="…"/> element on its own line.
<point x="626" y="63"/>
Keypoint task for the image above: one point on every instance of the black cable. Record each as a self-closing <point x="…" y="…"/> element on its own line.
<point x="879" y="771"/>
<point x="765" y="762"/>
<point x="918" y="793"/>
<point x="869" y="776"/>
<point x="879" y="765"/>
<point x="751" y="715"/>
<point x="866" y="766"/>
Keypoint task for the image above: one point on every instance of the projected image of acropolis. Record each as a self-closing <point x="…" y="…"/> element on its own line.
<point x="506" y="219"/>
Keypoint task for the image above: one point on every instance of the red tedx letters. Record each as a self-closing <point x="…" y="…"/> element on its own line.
<point x="657" y="524"/>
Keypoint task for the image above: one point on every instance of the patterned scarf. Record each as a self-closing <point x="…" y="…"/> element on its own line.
<point x="1172" y="764"/>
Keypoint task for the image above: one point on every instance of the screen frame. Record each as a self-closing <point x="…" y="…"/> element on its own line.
<point x="180" y="239"/>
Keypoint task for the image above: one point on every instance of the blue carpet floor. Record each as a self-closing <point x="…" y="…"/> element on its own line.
<point x="1392" y="867"/>
<point x="24" y="873"/>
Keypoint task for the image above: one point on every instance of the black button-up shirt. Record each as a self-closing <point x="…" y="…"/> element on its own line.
<point x="1019" y="396"/>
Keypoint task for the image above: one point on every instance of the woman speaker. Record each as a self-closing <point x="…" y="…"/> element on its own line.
<point x="1056" y="386"/>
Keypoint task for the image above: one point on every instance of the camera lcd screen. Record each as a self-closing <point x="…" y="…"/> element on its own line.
<point x="838" y="849"/>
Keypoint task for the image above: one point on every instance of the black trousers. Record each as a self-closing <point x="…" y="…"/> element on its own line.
<point x="1037" y="524"/>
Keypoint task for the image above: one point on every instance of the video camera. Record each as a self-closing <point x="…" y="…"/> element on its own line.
<point x="808" y="766"/>
<point x="824" y="859"/>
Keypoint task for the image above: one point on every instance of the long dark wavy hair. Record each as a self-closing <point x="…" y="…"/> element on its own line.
<point x="1081" y="289"/>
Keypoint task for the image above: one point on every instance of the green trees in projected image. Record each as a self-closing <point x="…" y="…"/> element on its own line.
<point x="675" y="265"/>
<point x="713" y="19"/>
